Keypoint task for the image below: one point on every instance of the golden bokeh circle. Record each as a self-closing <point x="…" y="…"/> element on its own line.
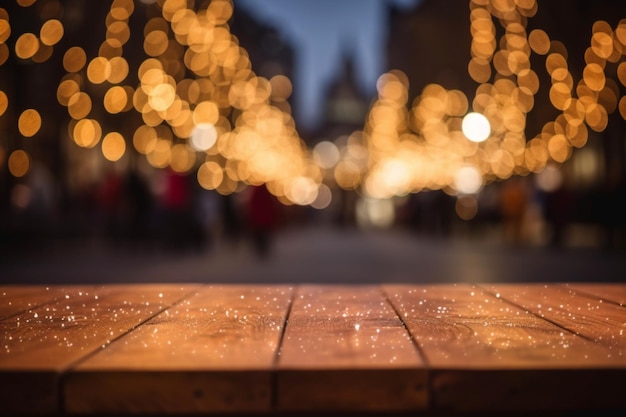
<point x="19" y="163"/>
<point x="29" y="122"/>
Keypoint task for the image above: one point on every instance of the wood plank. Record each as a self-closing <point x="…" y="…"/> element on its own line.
<point x="39" y="344"/>
<point x="612" y="292"/>
<point x="592" y="318"/>
<point x="344" y="348"/>
<point x="214" y="352"/>
<point x="16" y="299"/>
<point x="486" y="354"/>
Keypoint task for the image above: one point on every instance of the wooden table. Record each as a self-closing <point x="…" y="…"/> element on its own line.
<point x="185" y="349"/>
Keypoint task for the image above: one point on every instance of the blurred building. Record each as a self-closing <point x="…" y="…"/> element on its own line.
<point x="270" y="53"/>
<point x="345" y="110"/>
<point x="59" y="191"/>
<point x="431" y="44"/>
<point x="345" y="103"/>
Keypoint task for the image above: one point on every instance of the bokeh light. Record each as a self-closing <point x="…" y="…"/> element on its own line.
<point x="476" y="127"/>
<point x="468" y="180"/>
<point x="51" y="32"/>
<point x="326" y="154"/>
<point x="466" y="207"/>
<point x="113" y="146"/>
<point x="29" y="122"/>
<point x="203" y="137"/>
<point x="86" y="132"/>
<point x="19" y="163"/>
<point x="4" y="102"/>
<point x="26" y="46"/>
<point x="195" y="103"/>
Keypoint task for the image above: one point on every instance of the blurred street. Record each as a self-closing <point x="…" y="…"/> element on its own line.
<point x="169" y="141"/>
<point x="320" y="255"/>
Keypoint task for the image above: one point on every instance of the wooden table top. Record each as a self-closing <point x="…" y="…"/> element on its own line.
<point x="187" y="348"/>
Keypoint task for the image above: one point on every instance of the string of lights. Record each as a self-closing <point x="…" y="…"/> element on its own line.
<point x="204" y="110"/>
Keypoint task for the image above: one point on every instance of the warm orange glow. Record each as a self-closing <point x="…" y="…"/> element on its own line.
<point x="86" y="133"/>
<point x="66" y="89"/>
<point x="559" y="148"/>
<point x="98" y="70"/>
<point x="118" y="33"/>
<point x="29" y="123"/>
<point x="74" y="59"/>
<point x="155" y="43"/>
<point x="145" y="139"/>
<point x="43" y="54"/>
<point x="281" y="88"/>
<point x="51" y="32"/>
<point x="4" y="102"/>
<point x="622" y="107"/>
<point x="347" y="175"/>
<point x="182" y="158"/>
<point x="5" y="30"/>
<point x="539" y="41"/>
<point x="122" y="9"/>
<point x="25" y="3"/>
<point x="159" y="156"/>
<point x="199" y="99"/>
<point x="210" y="175"/>
<point x="206" y="112"/>
<point x="115" y="100"/>
<point x="466" y="207"/>
<point x="79" y="105"/>
<point x="26" y="46"/>
<point x="19" y="163"/>
<point x="4" y="53"/>
<point x="119" y="70"/>
<point x="113" y="146"/>
<point x="593" y="75"/>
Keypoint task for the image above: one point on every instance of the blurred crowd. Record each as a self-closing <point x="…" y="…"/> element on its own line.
<point x="519" y="212"/>
<point x="172" y="212"/>
<point x="168" y="211"/>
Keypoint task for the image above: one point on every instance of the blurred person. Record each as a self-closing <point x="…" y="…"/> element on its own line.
<point x="109" y="199"/>
<point x="431" y="213"/>
<point x="611" y="207"/>
<point x="42" y="202"/>
<point x="558" y="206"/>
<point x="208" y="212"/>
<point x="30" y="219"/>
<point x="139" y="204"/>
<point x="514" y="202"/>
<point x="180" y="228"/>
<point x="231" y="220"/>
<point x="262" y="216"/>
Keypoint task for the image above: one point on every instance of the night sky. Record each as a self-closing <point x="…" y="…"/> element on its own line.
<point x="322" y="30"/>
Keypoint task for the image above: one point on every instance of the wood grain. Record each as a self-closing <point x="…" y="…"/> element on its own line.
<point x="590" y="317"/>
<point x="39" y="344"/>
<point x="16" y="299"/>
<point x="612" y="292"/>
<point x="486" y="354"/>
<point x="213" y="352"/>
<point x="187" y="349"/>
<point x="344" y="348"/>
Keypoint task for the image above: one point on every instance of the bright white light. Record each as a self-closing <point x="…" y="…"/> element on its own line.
<point x="302" y="191"/>
<point x="326" y="154"/>
<point x="396" y="175"/>
<point x="323" y="199"/>
<point x="550" y="179"/>
<point x="476" y="127"/>
<point x="468" y="180"/>
<point x="375" y="213"/>
<point x="203" y="137"/>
